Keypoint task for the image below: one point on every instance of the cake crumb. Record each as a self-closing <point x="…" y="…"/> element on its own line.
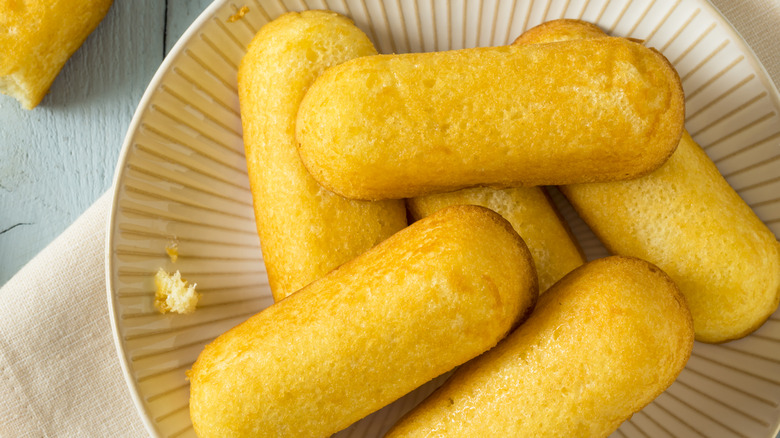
<point x="172" y="249"/>
<point x="239" y="14"/>
<point x="173" y="293"/>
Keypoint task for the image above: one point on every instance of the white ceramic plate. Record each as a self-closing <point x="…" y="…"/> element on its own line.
<point x="182" y="175"/>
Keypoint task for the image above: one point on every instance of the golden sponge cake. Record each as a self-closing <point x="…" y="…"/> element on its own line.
<point x="685" y="218"/>
<point x="531" y="213"/>
<point x="528" y="209"/>
<point x="564" y="29"/>
<point x="601" y="344"/>
<point x="393" y="126"/>
<point x="305" y="230"/>
<point x="36" y="39"/>
<point x="427" y="299"/>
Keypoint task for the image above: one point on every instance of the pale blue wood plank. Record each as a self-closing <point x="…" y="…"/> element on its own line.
<point x="181" y="13"/>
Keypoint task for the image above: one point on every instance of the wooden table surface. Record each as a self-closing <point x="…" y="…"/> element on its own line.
<point x="57" y="159"/>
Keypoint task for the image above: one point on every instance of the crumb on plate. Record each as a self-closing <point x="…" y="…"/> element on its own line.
<point x="172" y="249"/>
<point x="238" y="15"/>
<point x="174" y="294"/>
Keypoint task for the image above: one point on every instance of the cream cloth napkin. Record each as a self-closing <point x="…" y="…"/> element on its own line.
<point x="59" y="373"/>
